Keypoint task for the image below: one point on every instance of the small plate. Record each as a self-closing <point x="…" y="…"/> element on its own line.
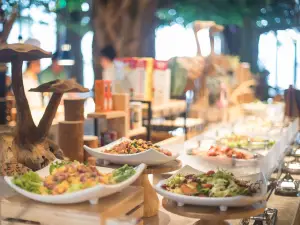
<point x="149" y="157"/>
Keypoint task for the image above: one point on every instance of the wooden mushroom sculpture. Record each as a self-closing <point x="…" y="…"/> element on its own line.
<point x="29" y="147"/>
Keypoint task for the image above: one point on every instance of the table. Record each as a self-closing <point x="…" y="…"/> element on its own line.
<point x="151" y="200"/>
<point x="22" y="210"/>
<point x="212" y="215"/>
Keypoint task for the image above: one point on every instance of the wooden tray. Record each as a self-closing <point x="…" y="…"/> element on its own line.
<point x="19" y="210"/>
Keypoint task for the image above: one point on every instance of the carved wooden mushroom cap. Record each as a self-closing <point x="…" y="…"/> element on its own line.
<point x="24" y="52"/>
<point x="60" y="86"/>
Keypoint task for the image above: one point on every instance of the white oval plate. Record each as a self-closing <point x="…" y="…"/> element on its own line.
<point x="222" y="160"/>
<point x="90" y="194"/>
<point x="149" y="157"/>
<point x="222" y="202"/>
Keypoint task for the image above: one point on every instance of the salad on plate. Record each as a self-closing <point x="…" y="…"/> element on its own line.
<point x="211" y="184"/>
<point x="68" y="177"/>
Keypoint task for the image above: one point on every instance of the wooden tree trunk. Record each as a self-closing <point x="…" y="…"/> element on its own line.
<point x="3" y="37"/>
<point x="74" y="38"/>
<point x="128" y="25"/>
<point x="249" y="45"/>
<point x="2" y="94"/>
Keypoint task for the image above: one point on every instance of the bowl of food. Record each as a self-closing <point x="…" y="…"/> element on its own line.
<point x="246" y="142"/>
<point x="215" y="188"/>
<point x="221" y="156"/>
<point x="134" y="152"/>
<point x="73" y="182"/>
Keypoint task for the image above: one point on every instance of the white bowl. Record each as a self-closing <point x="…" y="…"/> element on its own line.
<point x="223" y="202"/>
<point x="149" y="157"/>
<point x="90" y="194"/>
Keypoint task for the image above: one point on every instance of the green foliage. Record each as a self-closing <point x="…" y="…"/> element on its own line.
<point x="221" y="11"/>
<point x="279" y="14"/>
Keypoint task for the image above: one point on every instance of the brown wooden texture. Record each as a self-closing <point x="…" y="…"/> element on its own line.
<point x="129" y="203"/>
<point x="131" y="36"/>
<point x="117" y="120"/>
<point x="164" y="168"/>
<point x="7" y="25"/>
<point x="92" y="142"/>
<point x="74" y="109"/>
<point x="107" y="115"/>
<point x="151" y="201"/>
<point x="71" y="139"/>
<point x="213" y="213"/>
<point x="30" y="145"/>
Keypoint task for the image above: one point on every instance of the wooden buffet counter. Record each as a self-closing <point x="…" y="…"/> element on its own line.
<point x="288" y="213"/>
<point x="19" y="210"/>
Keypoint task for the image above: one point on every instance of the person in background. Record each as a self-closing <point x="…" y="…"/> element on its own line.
<point x="53" y="72"/>
<point x="30" y="79"/>
<point x="106" y="59"/>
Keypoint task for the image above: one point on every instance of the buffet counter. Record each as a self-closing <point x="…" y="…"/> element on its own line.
<point x="288" y="207"/>
<point x="288" y="213"/>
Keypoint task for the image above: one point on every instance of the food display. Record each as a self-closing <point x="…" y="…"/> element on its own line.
<point x="243" y="141"/>
<point x="67" y="177"/>
<point x="211" y="184"/>
<point x="134" y="152"/>
<point x="135" y="146"/>
<point x="223" y="151"/>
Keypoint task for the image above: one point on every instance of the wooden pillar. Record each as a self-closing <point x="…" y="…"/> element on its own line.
<point x="74" y="109"/>
<point x="2" y="94"/>
<point x="121" y="125"/>
<point x="92" y="142"/>
<point x="71" y="139"/>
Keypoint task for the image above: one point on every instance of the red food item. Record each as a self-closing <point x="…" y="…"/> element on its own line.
<point x="212" y="151"/>
<point x="229" y="152"/>
<point x="211" y="172"/>
<point x="206" y="185"/>
<point x="240" y="155"/>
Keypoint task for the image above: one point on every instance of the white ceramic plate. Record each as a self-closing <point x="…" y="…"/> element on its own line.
<point x="90" y="194"/>
<point x="220" y="160"/>
<point x="149" y="157"/>
<point x="223" y="202"/>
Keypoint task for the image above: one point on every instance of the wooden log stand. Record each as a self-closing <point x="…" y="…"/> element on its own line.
<point x="74" y="109"/>
<point x="151" y="201"/>
<point x="90" y="141"/>
<point x="212" y="215"/>
<point x="71" y="139"/>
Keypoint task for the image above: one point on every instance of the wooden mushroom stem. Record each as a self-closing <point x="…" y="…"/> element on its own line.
<point x="48" y="117"/>
<point x="26" y="129"/>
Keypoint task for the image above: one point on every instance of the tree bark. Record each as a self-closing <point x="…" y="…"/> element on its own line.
<point x="48" y="117"/>
<point x="25" y="124"/>
<point x="128" y="25"/>
<point x="249" y="44"/>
